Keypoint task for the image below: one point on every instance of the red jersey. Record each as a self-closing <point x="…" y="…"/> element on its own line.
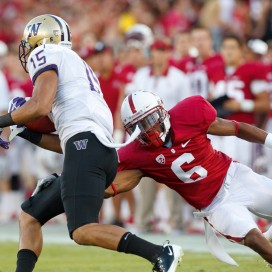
<point x="190" y="166"/>
<point x="245" y="82"/>
<point x="199" y="72"/>
<point x="22" y="88"/>
<point x="186" y="64"/>
<point x="126" y="73"/>
<point x="110" y="87"/>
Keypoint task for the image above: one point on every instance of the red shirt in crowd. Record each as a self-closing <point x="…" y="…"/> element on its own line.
<point x="244" y="83"/>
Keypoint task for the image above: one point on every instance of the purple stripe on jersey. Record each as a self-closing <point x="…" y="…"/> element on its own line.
<point x="89" y="76"/>
<point x="94" y="77"/>
<point x="44" y="69"/>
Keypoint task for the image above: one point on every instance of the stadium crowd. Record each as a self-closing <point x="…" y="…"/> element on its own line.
<point x="220" y="49"/>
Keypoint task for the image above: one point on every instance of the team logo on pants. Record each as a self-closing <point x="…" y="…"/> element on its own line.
<point x="81" y="144"/>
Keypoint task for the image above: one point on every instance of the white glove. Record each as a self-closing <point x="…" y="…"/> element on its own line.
<point x="44" y="182"/>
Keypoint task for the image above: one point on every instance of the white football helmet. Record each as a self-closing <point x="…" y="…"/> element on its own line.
<point x="40" y="30"/>
<point x="146" y="110"/>
<point x="139" y="34"/>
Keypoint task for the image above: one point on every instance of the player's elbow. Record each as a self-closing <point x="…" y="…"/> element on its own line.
<point x="40" y="109"/>
<point x="43" y="111"/>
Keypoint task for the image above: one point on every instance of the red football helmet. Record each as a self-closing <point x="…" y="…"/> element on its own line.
<point x="146" y="110"/>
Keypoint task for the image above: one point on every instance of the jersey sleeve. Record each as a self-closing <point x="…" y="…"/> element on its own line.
<point x="209" y="114"/>
<point x="42" y="59"/>
<point x="194" y="112"/>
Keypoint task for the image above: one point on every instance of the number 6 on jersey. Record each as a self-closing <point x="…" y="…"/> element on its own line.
<point x="186" y="177"/>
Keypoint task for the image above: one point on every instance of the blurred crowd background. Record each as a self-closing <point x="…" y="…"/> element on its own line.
<point x="170" y="47"/>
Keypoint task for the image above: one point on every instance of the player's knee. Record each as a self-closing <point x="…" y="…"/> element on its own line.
<point x="26" y="220"/>
<point x="84" y="235"/>
<point x="253" y="239"/>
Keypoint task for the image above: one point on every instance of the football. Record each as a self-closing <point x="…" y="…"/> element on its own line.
<point x="43" y="125"/>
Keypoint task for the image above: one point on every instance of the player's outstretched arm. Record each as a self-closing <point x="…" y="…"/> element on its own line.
<point x="50" y="142"/>
<point x="124" y="181"/>
<point x="222" y="127"/>
<point x="47" y="141"/>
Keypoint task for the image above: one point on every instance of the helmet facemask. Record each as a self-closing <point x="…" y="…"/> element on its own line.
<point x="24" y="51"/>
<point x="154" y="126"/>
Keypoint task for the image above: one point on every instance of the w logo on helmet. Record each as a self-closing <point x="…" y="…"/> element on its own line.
<point x="81" y="144"/>
<point x="33" y="29"/>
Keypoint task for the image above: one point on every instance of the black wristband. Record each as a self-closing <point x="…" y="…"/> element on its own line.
<point x="6" y="120"/>
<point x="31" y="136"/>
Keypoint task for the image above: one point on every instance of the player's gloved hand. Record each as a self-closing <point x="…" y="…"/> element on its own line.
<point x="15" y="104"/>
<point x="4" y="144"/>
<point x="44" y="183"/>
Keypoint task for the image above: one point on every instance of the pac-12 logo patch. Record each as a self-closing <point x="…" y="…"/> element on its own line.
<point x="81" y="144"/>
<point x="160" y="159"/>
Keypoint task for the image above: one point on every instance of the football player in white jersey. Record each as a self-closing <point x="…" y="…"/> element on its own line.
<point x="68" y="91"/>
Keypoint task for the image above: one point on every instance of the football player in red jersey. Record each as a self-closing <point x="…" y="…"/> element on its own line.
<point x="173" y="148"/>
<point x="242" y="88"/>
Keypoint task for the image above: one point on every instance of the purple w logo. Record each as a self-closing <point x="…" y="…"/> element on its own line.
<point x="81" y="144"/>
<point x="33" y="29"/>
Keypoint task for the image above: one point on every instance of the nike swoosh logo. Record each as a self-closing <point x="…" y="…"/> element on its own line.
<point x="170" y="251"/>
<point x="184" y="145"/>
<point x="127" y="236"/>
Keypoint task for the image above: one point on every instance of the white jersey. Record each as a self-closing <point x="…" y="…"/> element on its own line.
<point x="172" y="87"/>
<point x="78" y="105"/>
